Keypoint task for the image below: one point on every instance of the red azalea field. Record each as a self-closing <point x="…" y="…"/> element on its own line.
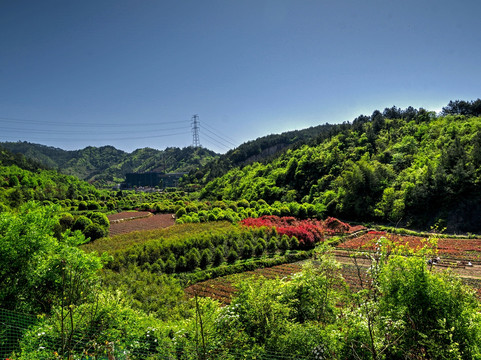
<point x="308" y="232"/>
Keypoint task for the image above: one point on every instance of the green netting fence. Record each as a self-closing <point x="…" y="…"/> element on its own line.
<point x="84" y="346"/>
<point x="12" y="327"/>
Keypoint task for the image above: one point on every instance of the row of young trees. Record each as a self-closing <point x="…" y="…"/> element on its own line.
<point x="203" y="250"/>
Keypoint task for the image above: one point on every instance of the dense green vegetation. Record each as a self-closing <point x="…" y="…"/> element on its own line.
<point x="262" y="149"/>
<point x="407" y="167"/>
<point x="406" y="310"/>
<point x="22" y="180"/>
<point x="97" y="297"/>
<point x="107" y="165"/>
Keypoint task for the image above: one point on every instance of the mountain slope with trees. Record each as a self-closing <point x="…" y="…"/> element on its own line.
<point x="407" y="167"/>
<point x="261" y="150"/>
<point x="105" y="165"/>
<point x="23" y="179"/>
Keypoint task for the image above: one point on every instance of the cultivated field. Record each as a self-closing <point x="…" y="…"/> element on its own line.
<point x="126" y="222"/>
<point x="461" y="255"/>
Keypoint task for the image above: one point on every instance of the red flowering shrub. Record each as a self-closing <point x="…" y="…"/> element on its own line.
<point x="336" y="226"/>
<point x="308" y="232"/>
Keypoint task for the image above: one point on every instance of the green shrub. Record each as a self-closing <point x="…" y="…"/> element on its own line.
<point x="93" y="205"/>
<point x="181" y="264"/>
<point x="193" y="259"/>
<point x="66" y="221"/>
<point x="205" y="258"/>
<point x="259" y="249"/>
<point x="218" y="256"/>
<point x="232" y="256"/>
<point x="99" y="218"/>
<point x="81" y="223"/>
<point x="247" y="251"/>
<point x="170" y="264"/>
<point x="243" y="203"/>
<point x="82" y="205"/>
<point x="284" y="243"/>
<point x="180" y="212"/>
<point x="294" y="243"/>
<point x="95" y="231"/>
<point x="272" y="245"/>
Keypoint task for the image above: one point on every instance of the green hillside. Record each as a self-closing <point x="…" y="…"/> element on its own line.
<point x="23" y="179"/>
<point x="407" y="167"/>
<point x="106" y="165"/>
<point x="262" y="149"/>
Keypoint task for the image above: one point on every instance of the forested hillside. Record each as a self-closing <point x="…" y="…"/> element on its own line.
<point x="262" y="149"/>
<point x="105" y="165"/>
<point x="22" y="179"/>
<point x="407" y="167"/>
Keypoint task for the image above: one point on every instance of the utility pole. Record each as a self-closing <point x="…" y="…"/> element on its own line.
<point x="195" y="131"/>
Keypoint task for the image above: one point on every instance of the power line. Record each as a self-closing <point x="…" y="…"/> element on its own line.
<point x="96" y="124"/>
<point x="222" y="135"/>
<point x="81" y="132"/>
<point x="76" y="139"/>
<point x="221" y="138"/>
<point x="222" y="145"/>
<point x="60" y="132"/>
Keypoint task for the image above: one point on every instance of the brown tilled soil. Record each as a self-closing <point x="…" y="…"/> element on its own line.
<point x="136" y="221"/>
<point x="128" y="215"/>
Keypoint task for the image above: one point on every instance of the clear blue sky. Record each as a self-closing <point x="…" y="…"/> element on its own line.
<point x="132" y="73"/>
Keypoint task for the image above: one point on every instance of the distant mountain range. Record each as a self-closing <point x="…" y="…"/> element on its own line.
<point x="107" y="165"/>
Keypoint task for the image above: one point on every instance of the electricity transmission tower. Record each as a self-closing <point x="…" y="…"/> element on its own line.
<point x="195" y="131"/>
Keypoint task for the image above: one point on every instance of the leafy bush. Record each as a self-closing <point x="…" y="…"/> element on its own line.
<point x="81" y="223"/>
<point x="99" y="218"/>
<point x="232" y="256"/>
<point x="95" y="231"/>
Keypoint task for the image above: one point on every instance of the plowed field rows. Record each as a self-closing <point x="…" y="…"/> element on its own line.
<point x="223" y="288"/>
<point x="468" y="249"/>
<point x="138" y="221"/>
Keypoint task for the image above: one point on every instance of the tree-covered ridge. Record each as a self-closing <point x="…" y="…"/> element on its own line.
<point x="7" y="158"/>
<point x="22" y="180"/>
<point x="262" y="149"/>
<point x="107" y="164"/>
<point x="417" y="169"/>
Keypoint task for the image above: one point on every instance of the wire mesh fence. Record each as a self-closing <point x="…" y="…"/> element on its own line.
<point x="87" y="345"/>
<point x="12" y="327"/>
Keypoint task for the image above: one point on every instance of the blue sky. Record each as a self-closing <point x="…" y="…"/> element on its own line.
<point x="132" y="73"/>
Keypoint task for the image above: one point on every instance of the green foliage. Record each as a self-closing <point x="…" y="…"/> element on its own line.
<point x="232" y="256"/>
<point x="107" y="165"/>
<point x="33" y="261"/>
<point x="95" y="231"/>
<point x="193" y="259"/>
<point x="124" y="332"/>
<point x="180" y="212"/>
<point x="152" y="293"/>
<point x="206" y="258"/>
<point x="81" y="223"/>
<point x="218" y="256"/>
<point x="99" y="218"/>
<point x="406" y="167"/>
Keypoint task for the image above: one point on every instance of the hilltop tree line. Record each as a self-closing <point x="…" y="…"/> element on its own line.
<point x="406" y="167"/>
<point x="106" y="165"/>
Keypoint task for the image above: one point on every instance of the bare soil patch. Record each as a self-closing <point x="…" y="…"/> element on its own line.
<point x="138" y="221"/>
